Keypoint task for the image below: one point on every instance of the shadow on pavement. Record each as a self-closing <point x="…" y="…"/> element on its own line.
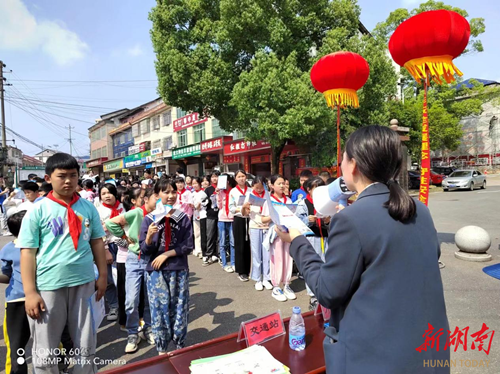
<point x="446" y="237"/>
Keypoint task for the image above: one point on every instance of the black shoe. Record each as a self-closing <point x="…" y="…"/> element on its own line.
<point x="243" y="277"/>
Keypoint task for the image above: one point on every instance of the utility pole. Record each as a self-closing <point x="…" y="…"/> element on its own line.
<point x="2" y="103"/>
<point x="70" y="140"/>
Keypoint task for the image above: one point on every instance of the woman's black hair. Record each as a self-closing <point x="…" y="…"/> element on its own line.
<point x="275" y="177"/>
<point x="131" y="194"/>
<point x="61" y="161"/>
<point x="378" y="154"/>
<point x="206" y="178"/>
<point x="260" y="179"/>
<point x="313" y="182"/>
<point x="162" y="184"/>
<point x="179" y="180"/>
<point x="111" y="188"/>
<point x="14" y="222"/>
<point x="88" y="183"/>
<point x="215" y="172"/>
<point x="197" y="179"/>
<point x="148" y="192"/>
<point x="240" y="171"/>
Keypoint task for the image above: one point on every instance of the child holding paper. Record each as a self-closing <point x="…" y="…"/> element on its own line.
<point x="184" y="198"/>
<point x="199" y="219"/>
<point x="225" y="223"/>
<point x="281" y="261"/>
<point x="259" y="224"/>
<point x="60" y="239"/>
<point x="167" y="244"/>
<point x="240" y="225"/>
<point x="128" y="226"/>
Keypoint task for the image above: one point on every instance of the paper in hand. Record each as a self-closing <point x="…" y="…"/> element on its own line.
<point x="97" y="311"/>
<point x="222" y="182"/>
<point x="255" y="200"/>
<point x="161" y="211"/>
<point x="241" y="200"/>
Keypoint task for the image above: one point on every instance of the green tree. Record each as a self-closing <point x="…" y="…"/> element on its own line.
<point x="247" y="63"/>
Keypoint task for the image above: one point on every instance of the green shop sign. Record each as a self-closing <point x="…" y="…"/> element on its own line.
<point x="191" y="150"/>
<point x="137" y="159"/>
<point x="113" y="165"/>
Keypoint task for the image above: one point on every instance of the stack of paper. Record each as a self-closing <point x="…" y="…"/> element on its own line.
<point x="255" y="359"/>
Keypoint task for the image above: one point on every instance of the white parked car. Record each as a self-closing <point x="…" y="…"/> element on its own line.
<point x="465" y="180"/>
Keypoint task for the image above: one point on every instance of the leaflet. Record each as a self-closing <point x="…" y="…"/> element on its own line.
<point x="284" y="218"/>
<point x="222" y="182"/>
<point x="161" y="211"/>
<point x="255" y="200"/>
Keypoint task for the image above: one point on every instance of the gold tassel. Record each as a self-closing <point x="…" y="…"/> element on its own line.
<point x="342" y="97"/>
<point x="438" y="67"/>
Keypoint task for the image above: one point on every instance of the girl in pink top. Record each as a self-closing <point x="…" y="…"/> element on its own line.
<point x="184" y="198"/>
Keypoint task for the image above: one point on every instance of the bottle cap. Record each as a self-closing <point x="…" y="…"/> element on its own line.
<point x="296" y="309"/>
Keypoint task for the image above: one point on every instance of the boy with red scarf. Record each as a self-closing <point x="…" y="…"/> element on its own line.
<point x="60" y="239"/>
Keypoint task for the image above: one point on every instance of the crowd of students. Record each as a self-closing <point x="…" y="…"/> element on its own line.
<point x="74" y="237"/>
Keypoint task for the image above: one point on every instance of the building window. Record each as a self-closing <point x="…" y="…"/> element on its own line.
<point x="135" y="130"/>
<point x="156" y="122"/>
<point x="156" y="144"/>
<point x="98" y="153"/>
<point x="180" y="113"/>
<point x="104" y="151"/>
<point x="199" y="133"/>
<point x="145" y="126"/>
<point x="94" y="154"/>
<point x="167" y="143"/>
<point x="182" y="138"/>
<point x="167" y="118"/>
<point x="217" y="132"/>
<point x="103" y="132"/>
<point x="123" y="138"/>
<point x="115" y="140"/>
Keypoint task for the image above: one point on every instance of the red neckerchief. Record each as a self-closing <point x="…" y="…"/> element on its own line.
<point x="89" y="190"/>
<point x="261" y="196"/>
<point x="168" y="233"/>
<point x="227" y="201"/>
<point x="318" y="220"/>
<point x="114" y="209"/>
<point x="242" y="192"/>
<point x="278" y="200"/>
<point x="180" y="194"/>
<point x="144" y="211"/>
<point x="74" y="223"/>
<point x="302" y="188"/>
<point x="214" y="186"/>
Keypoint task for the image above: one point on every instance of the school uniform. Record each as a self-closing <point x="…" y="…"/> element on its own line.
<point x="198" y="216"/>
<point x="209" y="227"/>
<point x="258" y="230"/>
<point x="281" y="261"/>
<point x="184" y="201"/>
<point x="168" y="287"/>
<point x="240" y="231"/>
<point x="382" y="282"/>
<point x="225" y="224"/>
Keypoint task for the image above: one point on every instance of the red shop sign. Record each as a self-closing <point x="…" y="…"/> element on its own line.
<point x="260" y="159"/>
<point x="262" y="329"/>
<point x="231" y="159"/>
<point x="188" y="121"/>
<point x="211" y="145"/>
<point x="242" y="146"/>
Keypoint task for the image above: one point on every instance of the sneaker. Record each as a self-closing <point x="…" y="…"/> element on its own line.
<point x="228" y="269"/>
<point x="259" y="286"/>
<point x="278" y="294"/>
<point x="243" y="277"/>
<point x="290" y="295"/>
<point x="300" y="276"/>
<point x="234" y="268"/>
<point x="215" y="259"/>
<point x="123" y="328"/>
<point x="113" y="314"/>
<point x="267" y="285"/>
<point x="205" y="262"/>
<point x="147" y="335"/>
<point x="132" y="343"/>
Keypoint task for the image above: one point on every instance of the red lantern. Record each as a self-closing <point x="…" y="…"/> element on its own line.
<point x="338" y="76"/>
<point x="428" y="42"/>
<point x="426" y="45"/>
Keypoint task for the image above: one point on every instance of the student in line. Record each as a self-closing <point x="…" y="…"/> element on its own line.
<point x="301" y="193"/>
<point x="226" y="238"/>
<point x="210" y="228"/>
<point x="30" y="190"/>
<point x="259" y="225"/>
<point x="199" y="218"/>
<point x="240" y="225"/>
<point x="60" y="239"/>
<point x="167" y="244"/>
<point x="88" y="190"/>
<point x="184" y="200"/>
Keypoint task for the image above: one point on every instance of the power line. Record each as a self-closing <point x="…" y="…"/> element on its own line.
<point x="87" y="81"/>
<point x="62" y="103"/>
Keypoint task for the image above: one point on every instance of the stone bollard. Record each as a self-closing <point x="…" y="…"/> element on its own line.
<point x="472" y="242"/>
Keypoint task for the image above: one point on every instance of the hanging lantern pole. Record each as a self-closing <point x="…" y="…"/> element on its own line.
<point x="339" y="170"/>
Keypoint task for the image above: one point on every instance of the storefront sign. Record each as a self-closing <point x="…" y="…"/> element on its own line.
<point x="246" y="163"/>
<point x="232" y="159"/>
<point x="156" y="151"/>
<point x="211" y="145"/>
<point x="134" y="149"/>
<point x="191" y="150"/>
<point x="125" y="171"/>
<point x="242" y="146"/>
<point x="149" y="166"/>
<point x="188" y="121"/>
<point x="97" y="162"/>
<point x="137" y="159"/>
<point x="260" y="159"/>
<point x="143" y="146"/>
<point x="113" y="165"/>
<point x="33" y="168"/>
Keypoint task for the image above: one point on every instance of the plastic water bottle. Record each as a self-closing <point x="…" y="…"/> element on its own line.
<point x="297" y="331"/>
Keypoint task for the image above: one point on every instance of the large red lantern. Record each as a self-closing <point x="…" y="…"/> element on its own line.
<point x="338" y="76"/>
<point x="426" y="45"/>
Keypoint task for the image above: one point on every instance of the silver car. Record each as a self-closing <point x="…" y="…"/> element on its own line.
<point x="465" y="180"/>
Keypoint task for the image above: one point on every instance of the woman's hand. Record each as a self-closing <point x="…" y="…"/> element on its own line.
<point x="287" y="237"/>
<point x="311" y="219"/>
<point x="159" y="261"/>
<point x="340" y="207"/>
<point x="152" y="229"/>
<point x="109" y="257"/>
<point x="327" y="220"/>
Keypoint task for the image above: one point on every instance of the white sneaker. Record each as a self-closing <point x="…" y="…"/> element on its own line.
<point x="215" y="259"/>
<point x="278" y="294"/>
<point x="147" y="335"/>
<point x="259" y="286"/>
<point x="228" y="269"/>
<point x="234" y="268"/>
<point x="268" y="285"/>
<point x="113" y="314"/>
<point x="132" y="343"/>
<point x="290" y="295"/>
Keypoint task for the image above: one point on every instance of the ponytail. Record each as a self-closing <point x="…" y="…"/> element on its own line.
<point x="401" y="205"/>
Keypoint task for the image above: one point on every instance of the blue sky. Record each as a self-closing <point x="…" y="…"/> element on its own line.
<point x="85" y="42"/>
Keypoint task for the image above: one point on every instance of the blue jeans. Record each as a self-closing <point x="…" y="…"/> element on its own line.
<point x="111" y="295"/>
<point x="225" y="236"/>
<point x="136" y="275"/>
<point x="261" y="257"/>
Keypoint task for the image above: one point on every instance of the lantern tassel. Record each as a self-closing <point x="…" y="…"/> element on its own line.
<point x="342" y="97"/>
<point x="437" y="66"/>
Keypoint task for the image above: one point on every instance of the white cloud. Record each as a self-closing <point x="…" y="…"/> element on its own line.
<point x="135" y="51"/>
<point x="19" y="30"/>
<point x="410" y="3"/>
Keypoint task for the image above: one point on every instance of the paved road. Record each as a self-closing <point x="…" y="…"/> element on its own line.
<point x="220" y="302"/>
